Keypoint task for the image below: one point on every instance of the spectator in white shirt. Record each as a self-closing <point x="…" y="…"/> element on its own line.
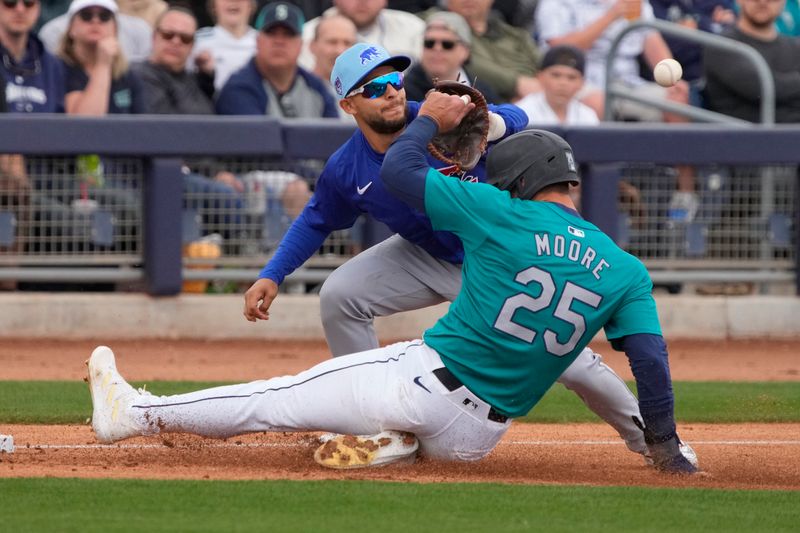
<point x="232" y="41"/>
<point x="561" y="78"/>
<point x="592" y="25"/>
<point x="397" y="31"/>
<point x="147" y="10"/>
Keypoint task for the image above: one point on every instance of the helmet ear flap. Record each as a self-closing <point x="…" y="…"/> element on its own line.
<point x="519" y="187"/>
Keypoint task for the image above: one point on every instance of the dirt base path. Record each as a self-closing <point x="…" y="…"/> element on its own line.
<point x="755" y="456"/>
<point x="247" y="360"/>
<point x="744" y="456"/>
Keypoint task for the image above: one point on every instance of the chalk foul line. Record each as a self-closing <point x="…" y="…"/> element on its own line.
<point x="33" y="447"/>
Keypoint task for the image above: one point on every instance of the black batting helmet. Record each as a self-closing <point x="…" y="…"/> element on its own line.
<point x="538" y="157"/>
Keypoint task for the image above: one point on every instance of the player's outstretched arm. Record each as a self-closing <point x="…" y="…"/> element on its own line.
<point x="300" y="243"/>
<point x="649" y="363"/>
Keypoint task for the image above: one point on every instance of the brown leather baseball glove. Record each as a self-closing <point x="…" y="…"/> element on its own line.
<point x="463" y="145"/>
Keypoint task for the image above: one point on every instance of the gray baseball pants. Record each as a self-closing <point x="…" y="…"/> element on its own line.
<point x="396" y="275"/>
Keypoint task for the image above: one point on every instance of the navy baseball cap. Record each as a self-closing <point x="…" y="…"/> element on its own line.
<point x="354" y="65"/>
<point x="566" y="55"/>
<point x="280" y="14"/>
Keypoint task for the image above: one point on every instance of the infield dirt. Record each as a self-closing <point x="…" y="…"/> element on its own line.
<point x="743" y="456"/>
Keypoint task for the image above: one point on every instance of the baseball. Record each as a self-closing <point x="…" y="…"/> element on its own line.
<point x="667" y="72"/>
<point x="466" y="99"/>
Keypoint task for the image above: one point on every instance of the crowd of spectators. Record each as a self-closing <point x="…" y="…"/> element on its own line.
<point x="255" y="57"/>
<point x="274" y="58"/>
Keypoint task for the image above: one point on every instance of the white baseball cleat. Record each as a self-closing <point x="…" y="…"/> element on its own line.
<point x="112" y="397"/>
<point x="350" y="451"/>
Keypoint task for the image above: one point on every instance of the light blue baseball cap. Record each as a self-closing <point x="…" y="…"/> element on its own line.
<point x="355" y="64"/>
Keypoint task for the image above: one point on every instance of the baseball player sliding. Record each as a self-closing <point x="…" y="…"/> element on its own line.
<point x="538" y="283"/>
<point x="419" y="266"/>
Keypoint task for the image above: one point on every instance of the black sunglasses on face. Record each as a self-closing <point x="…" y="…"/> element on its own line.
<point x="446" y="45"/>
<point x="167" y="35"/>
<point x="11" y="4"/>
<point x="103" y="15"/>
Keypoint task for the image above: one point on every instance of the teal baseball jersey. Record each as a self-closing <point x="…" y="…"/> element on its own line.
<point x="538" y="283"/>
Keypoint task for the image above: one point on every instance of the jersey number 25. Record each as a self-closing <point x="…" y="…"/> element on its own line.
<point x="505" y="320"/>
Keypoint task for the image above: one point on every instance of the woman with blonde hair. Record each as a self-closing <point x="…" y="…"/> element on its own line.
<point x="98" y="80"/>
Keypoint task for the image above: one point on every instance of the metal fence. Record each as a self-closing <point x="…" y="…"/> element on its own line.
<point x="214" y="206"/>
<point x="743" y="217"/>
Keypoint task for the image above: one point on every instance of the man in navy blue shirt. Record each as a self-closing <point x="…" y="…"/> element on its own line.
<point x="34" y="78"/>
<point x="33" y="82"/>
<point x="272" y="83"/>
<point x="416" y="268"/>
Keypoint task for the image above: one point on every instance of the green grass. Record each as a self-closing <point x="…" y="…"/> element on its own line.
<point x="705" y="401"/>
<point x="135" y="505"/>
<point x="68" y="402"/>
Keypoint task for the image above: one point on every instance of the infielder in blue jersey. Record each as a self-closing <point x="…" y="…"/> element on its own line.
<point x="538" y="283"/>
<point x="419" y="266"/>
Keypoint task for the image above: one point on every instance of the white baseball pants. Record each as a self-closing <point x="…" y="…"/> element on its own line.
<point x="363" y="394"/>
<point x="397" y="275"/>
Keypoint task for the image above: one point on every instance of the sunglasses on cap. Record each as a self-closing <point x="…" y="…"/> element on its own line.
<point x="377" y="87"/>
<point x="186" y="38"/>
<point x="11" y="4"/>
<point x="446" y="45"/>
<point x="103" y="15"/>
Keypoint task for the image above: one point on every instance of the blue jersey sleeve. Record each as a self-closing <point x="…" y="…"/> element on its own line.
<point x="300" y="242"/>
<point x="325" y="212"/>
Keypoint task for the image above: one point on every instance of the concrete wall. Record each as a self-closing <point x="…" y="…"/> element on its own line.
<point x="123" y="315"/>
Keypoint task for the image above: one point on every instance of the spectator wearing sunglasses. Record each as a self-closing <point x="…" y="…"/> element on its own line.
<point x="232" y="41"/>
<point x="272" y="83"/>
<point x="503" y="56"/>
<point x="423" y="264"/>
<point x="445" y="56"/>
<point x="98" y="80"/>
<point x="134" y="35"/>
<point x="34" y="78"/>
<point x="169" y="87"/>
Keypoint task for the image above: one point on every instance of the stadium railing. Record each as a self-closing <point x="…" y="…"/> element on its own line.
<point x="108" y="198"/>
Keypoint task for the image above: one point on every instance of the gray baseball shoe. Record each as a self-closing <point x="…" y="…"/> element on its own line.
<point x="686" y="450"/>
<point x="351" y="451"/>
<point x="112" y="398"/>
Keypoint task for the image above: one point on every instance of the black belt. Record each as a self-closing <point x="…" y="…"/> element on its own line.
<point x="452" y="383"/>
